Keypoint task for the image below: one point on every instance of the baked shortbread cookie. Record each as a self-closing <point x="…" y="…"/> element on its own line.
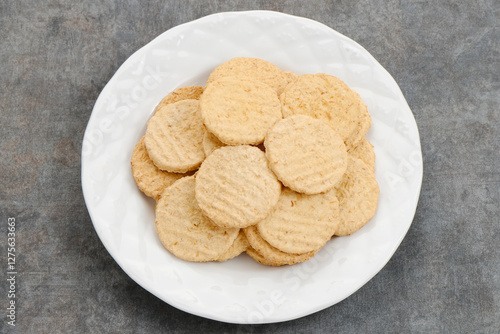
<point x="239" y="111"/>
<point x="327" y="98"/>
<point x="305" y="154"/>
<point x="235" y="187"/>
<point x="251" y="130"/>
<point x="240" y="244"/>
<point x="364" y="124"/>
<point x="364" y="151"/>
<point x="254" y="68"/>
<point x="211" y="143"/>
<point x="150" y="179"/>
<point x="358" y="194"/>
<point x="183" y="93"/>
<point x="289" y="77"/>
<point x="184" y="230"/>
<point x="261" y="259"/>
<point x="261" y="251"/>
<point x="301" y="223"/>
<point x="174" y="137"/>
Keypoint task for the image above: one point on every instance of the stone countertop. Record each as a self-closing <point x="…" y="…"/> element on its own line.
<point x="57" y="55"/>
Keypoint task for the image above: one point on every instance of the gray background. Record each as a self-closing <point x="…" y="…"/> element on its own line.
<point x="57" y="55"/>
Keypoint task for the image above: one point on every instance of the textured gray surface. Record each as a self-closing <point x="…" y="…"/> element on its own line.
<point x="57" y="55"/>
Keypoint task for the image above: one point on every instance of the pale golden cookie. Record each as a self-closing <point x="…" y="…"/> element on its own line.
<point x="358" y="194"/>
<point x="240" y="244"/>
<point x="327" y="98"/>
<point x="289" y="77"/>
<point x="259" y="258"/>
<point x="235" y="187"/>
<point x="305" y="154"/>
<point x="184" y="230"/>
<point x="270" y="255"/>
<point x="149" y="179"/>
<point x="183" y="93"/>
<point x="174" y="137"/>
<point x="211" y="143"/>
<point x="364" y="151"/>
<point x="239" y="111"/>
<point x="364" y="124"/>
<point x="255" y="68"/>
<point x="301" y="223"/>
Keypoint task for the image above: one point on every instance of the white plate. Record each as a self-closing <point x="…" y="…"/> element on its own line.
<point x="240" y="290"/>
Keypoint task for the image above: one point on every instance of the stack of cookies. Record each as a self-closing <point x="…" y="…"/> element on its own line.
<point x="261" y="161"/>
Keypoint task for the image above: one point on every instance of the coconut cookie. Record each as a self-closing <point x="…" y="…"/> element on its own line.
<point x="174" y="137"/>
<point x="327" y="98"/>
<point x="301" y="223"/>
<point x="240" y="244"/>
<point x="210" y="143"/>
<point x="183" y="93"/>
<point x="235" y="187"/>
<point x="305" y="154"/>
<point x="255" y="68"/>
<point x="364" y="151"/>
<point x="239" y="111"/>
<point x="358" y="197"/>
<point x="184" y="230"/>
<point x="149" y="179"/>
<point x="261" y="251"/>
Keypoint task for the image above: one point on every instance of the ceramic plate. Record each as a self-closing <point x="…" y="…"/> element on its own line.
<point x="241" y="290"/>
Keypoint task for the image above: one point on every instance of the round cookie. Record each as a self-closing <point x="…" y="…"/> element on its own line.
<point x="149" y="179"/>
<point x="261" y="251"/>
<point x="258" y="69"/>
<point x="358" y="194"/>
<point x="364" y="151"/>
<point x="240" y="244"/>
<point x="301" y="223"/>
<point x="259" y="258"/>
<point x="239" y="111"/>
<point x="211" y="143"/>
<point x="325" y="97"/>
<point x="289" y="77"/>
<point x="183" y="93"/>
<point x="174" y="137"/>
<point x="235" y="187"/>
<point x="184" y="230"/>
<point x="305" y="154"/>
<point x="364" y="124"/>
